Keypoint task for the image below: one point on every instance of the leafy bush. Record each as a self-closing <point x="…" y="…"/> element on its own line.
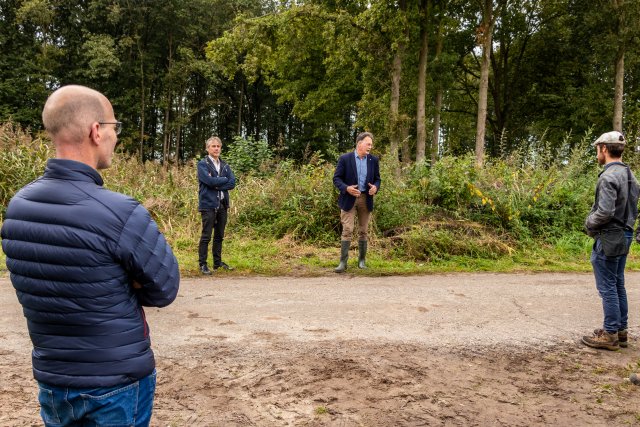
<point x="446" y="183"/>
<point x="247" y="155"/>
<point x="295" y="201"/>
<point x="397" y="205"/>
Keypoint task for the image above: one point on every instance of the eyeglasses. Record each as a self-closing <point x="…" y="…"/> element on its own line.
<point x="118" y="126"/>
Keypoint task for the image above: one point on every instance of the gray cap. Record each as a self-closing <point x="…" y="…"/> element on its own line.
<point x="613" y="137"/>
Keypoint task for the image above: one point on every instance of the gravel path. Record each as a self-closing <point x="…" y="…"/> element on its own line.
<point x="454" y="349"/>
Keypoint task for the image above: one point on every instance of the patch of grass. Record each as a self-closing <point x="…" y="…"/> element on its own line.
<point x="321" y="410"/>
<point x="574" y="368"/>
<point x="606" y="387"/>
<point x="255" y="255"/>
<point x="252" y="254"/>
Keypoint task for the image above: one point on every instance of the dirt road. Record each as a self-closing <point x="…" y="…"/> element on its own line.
<point x="464" y="349"/>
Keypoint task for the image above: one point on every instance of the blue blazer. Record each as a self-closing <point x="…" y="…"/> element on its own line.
<point x="346" y="175"/>
<point x="210" y="184"/>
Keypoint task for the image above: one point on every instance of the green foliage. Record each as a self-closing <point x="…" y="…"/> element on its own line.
<point x="397" y="204"/>
<point x="307" y="75"/>
<point x="512" y="212"/>
<point x="102" y="56"/>
<point x="446" y="183"/>
<point x="247" y="155"/>
<point x="296" y="202"/>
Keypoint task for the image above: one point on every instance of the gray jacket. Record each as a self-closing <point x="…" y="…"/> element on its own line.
<point x="616" y="186"/>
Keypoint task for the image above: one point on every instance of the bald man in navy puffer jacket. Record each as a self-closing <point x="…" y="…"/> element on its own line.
<point x="84" y="261"/>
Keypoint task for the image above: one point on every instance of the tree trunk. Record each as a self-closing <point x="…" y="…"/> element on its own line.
<point x="240" y="99"/>
<point x="142" y="106"/>
<point x="619" y="70"/>
<point x="438" y="103"/>
<point x="179" y="127"/>
<point x="166" y="133"/>
<point x="435" y="142"/>
<point x="394" y="135"/>
<point x="394" y="108"/>
<point x="421" y="131"/>
<point x="619" y="92"/>
<point x="484" y="35"/>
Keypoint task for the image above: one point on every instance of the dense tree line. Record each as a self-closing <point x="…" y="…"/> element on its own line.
<point x="428" y="77"/>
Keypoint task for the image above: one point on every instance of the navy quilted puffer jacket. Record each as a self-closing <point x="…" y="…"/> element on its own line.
<point x="74" y="249"/>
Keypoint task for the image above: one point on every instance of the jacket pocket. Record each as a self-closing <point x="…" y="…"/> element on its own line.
<point x="613" y="242"/>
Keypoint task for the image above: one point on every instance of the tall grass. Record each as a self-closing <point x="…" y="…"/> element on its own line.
<point x="22" y="159"/>
<point x="451" y="212"/>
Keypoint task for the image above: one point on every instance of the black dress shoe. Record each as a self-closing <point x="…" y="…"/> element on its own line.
<point x="222" y="266"/>
<point x="205" y="270"/>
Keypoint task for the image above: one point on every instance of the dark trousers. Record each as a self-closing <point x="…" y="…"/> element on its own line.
<point x="213" y="220"/>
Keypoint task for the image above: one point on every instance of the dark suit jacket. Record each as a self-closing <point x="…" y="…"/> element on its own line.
<point x="346" y="174"/>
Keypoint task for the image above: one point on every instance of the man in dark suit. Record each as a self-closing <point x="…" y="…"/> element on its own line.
<point x="357" y="177"/>
<point x="215" y="179"/>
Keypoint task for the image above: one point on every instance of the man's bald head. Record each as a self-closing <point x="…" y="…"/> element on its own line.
<point x="70" y="111"/>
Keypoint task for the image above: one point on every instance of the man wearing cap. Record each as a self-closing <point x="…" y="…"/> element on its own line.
<point x="610" y="223"/>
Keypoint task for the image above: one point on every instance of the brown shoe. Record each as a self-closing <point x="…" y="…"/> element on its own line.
<point x="602" y="339"/>
<point x="623" y="337"/>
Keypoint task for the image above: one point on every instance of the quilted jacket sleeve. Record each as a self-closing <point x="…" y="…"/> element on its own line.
<point x="146" y="256"/>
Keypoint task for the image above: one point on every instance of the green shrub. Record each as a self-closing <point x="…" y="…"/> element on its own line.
<point x="247" y="155"/>
<point x="397" y="204"/>
<point x="295" y="201"/>
<point x="445" y="184"/>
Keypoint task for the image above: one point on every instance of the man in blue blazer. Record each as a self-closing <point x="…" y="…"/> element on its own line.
<point x="357" y="177"/>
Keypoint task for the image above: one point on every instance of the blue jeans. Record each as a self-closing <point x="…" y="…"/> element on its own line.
<point x="121" y="406"/>
<point x="609" y="273"/>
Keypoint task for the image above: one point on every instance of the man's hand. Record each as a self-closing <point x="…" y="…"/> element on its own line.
<point x="353" y="190"/>
<point x="136" y="285"/>
<point x="372" y="189"/>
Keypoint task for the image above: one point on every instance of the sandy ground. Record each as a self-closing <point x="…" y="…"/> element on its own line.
<point x="469" y="349"/>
